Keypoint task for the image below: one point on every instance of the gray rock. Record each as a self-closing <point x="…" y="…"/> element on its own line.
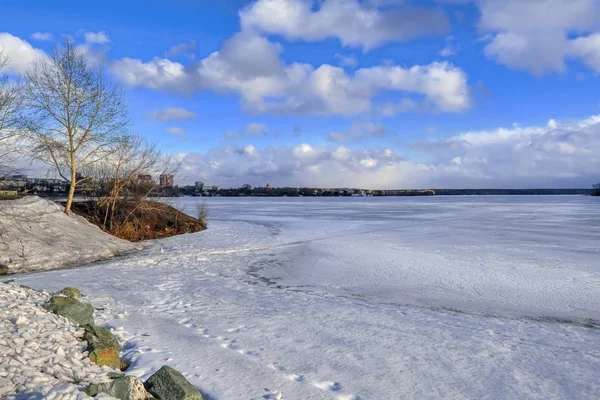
<point x="74" y="310"/>
<point x="103" y="347"/>
<point x="3" y="270"/>
<point x="169" y="384"/>
<point x="125" y="388"/>
<point x="70" y="292"/>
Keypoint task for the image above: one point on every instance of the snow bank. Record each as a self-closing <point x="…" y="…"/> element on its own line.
<point x="36" y="235"/>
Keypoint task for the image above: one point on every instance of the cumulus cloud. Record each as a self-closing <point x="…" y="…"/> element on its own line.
<point x="354" y="23"/>
<point x="19" y="52"/>
<point x="558" y="154"/>
<point x="42" y="36"/>
<point x="537" y="36"/>
<point x="301" y="165"/>
<point x="588" y="50"/>
<point x="173" y="114"/>
<point x="252" y="67"/>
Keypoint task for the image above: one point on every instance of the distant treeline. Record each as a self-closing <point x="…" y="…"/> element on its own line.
<point x="502" y="192"/>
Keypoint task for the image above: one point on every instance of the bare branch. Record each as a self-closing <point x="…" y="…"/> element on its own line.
<point x="76" y="116"/>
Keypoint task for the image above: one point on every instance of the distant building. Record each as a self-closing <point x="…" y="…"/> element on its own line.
<point x="166" y="180"/>
<point x="144" y="178"/>
<point x="269" y="187"/>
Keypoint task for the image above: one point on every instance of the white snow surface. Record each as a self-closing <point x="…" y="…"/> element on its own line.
<point x="365" y="298"/>
<point x="41" y="356"/>
<point x="36" y="235"/>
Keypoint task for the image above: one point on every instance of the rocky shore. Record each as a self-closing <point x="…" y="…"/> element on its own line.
<point x="51" y="348"/>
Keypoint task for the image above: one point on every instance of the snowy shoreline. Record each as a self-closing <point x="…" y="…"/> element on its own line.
<point x="263" y="305"/>
<point x="51" y="348"/>
<point x="41" y="354"/>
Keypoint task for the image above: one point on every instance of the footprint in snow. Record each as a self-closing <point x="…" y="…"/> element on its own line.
<point x="296" y="377"/>
<point x="329" y="386"/>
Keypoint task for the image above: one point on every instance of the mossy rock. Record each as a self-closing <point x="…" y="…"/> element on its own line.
<point x="72" y="309"/>
<point x="169" y="384"/>
<point x="70" y="292"/>
<point x="103" y="347"/>
<point x="3" y="270"/>
<point x="125" y="388"/>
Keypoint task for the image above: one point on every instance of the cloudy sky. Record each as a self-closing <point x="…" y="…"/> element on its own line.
<point x="336" y="93"/>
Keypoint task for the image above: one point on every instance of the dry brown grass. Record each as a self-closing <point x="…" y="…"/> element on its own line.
<point x="142" y="221"/>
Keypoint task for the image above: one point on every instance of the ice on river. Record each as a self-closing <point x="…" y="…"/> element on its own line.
<point x="366" y="298"/>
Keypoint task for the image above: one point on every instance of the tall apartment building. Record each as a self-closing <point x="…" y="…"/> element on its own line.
<point x="166" y="181"/>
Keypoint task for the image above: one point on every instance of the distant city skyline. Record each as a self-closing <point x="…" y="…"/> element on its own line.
<point x="345" y="93"/>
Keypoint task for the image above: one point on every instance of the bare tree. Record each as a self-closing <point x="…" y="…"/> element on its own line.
<point x="10" y="112"/>
<point x="76" y="117"/>
<point x="122" y="182"/>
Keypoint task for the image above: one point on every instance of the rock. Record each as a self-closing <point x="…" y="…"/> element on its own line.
<point x="74" y="310"/>
<point x="102" y="346"/>
<point x="169" y="384"/>
<point x="125" y="388"/>
<point x="3" y="270"/>
<point x="115" y="375"/>
<point x="70" y="292"/>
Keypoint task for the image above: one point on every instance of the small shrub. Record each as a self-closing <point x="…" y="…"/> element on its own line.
<point x="202" y="212"/>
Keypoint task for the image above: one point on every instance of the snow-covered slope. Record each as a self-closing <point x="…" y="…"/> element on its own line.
<point x="348" y="299"/>
<point x="36" y="235"/>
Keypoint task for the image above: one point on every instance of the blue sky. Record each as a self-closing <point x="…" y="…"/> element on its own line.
<point x="371" y="93"/>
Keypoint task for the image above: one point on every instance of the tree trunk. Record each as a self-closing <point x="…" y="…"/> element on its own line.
<point x="71" y="192"/>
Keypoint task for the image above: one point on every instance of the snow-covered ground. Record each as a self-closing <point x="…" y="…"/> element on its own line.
<point x="40" y="354"/>
<point x="365" y="298"/>
<point x="36" y="235"/>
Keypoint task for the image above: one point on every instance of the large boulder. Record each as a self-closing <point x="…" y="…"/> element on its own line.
<point x="125" y="388"/>
<point x="73" y="309"/>
<point x="169" y="384"/>
<point x="70" y="292"/>
<point x="103" y="347"/>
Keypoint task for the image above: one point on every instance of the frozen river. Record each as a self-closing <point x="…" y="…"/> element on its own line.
<point x="366" y="298"/>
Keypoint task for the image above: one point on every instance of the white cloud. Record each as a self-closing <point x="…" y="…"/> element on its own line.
<point x="558" y="154"/>
<point x="173" y="114"/>
<point x="42" y="36"/>
<point x="537" y="35"/>
<point x="354" y="23"/>
<point x="20" y="53"/>
<point x="252" y="67"/>
<point x="588" y="49"/>
<point x="96" y="37"/>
